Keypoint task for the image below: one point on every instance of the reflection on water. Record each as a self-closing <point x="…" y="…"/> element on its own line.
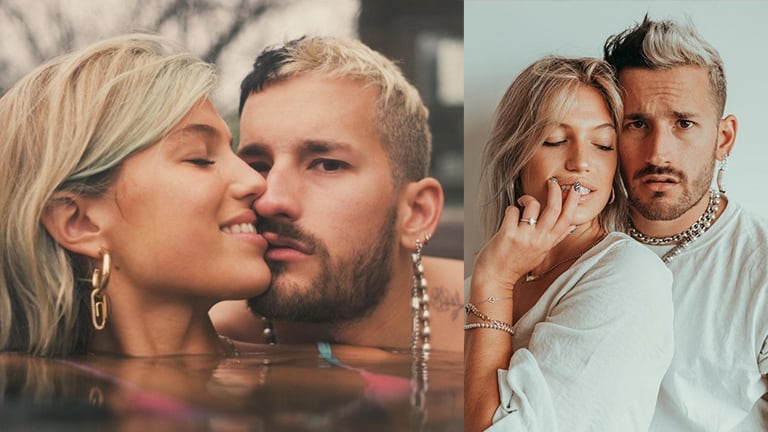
<point x="290" y="388"/>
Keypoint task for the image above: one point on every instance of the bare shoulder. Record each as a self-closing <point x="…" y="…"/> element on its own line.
<point x="233" y="319"/>
<point x="444" y="272"/>
<point x="443" y="266"/>
<point x="445" y="286"/>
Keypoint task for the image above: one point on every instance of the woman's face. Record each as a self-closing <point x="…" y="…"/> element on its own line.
<point x="179" y="218"/>
<point x="582" y="148"/>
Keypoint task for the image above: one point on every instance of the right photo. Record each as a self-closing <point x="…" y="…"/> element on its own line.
<point x="615" y="250"/>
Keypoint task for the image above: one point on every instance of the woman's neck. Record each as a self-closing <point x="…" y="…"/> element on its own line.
<point x="584" y="237"/>
<point x="157" y="328"/>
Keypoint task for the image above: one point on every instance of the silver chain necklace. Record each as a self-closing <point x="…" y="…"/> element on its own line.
<point x="685" y="238"/>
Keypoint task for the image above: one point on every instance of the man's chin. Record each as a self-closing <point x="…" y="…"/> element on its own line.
<point x="660" y="206"/>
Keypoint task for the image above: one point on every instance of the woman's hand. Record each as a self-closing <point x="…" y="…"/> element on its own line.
<point x="522" y="242"/>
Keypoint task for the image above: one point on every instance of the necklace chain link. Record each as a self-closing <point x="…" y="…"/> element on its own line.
<point x="685" y="238"/>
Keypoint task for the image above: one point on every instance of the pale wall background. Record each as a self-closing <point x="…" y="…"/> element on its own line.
<point x="502" y="37"/>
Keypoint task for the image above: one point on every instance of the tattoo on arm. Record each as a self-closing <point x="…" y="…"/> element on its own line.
<point x="443" y="300"/>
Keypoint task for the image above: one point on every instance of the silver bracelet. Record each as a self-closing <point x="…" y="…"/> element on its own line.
<point x="492" y="325"/>
<point x="494" y="299"/>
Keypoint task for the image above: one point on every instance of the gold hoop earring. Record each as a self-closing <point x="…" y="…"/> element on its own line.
<point x="99" y="281"/>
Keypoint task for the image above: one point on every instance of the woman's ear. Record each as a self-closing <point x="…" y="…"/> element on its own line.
<point x="421" y="205"/>
<point x="67" y="219"/>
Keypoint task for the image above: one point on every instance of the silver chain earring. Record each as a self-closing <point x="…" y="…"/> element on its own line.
<point x="419" y="300"/>
<point x="720" y="171"/>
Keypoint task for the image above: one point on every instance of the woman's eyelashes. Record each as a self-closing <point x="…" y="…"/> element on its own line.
<point x="200" y="161"/>
<point x="556" y="143"/>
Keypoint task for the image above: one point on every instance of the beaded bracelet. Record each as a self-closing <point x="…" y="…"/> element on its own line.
<point x="492" y="325"/>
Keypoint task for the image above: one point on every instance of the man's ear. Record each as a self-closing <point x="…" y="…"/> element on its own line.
<point x="726" y="136"/>
<point x="421" y="204"/>
<point x="67" y="218"/>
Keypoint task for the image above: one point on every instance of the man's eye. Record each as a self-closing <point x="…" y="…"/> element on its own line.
<point x="260" y="167"/>
<point x="328" y="164"/>
<point x="637" y="124"/>
<point x="685" y="124"/>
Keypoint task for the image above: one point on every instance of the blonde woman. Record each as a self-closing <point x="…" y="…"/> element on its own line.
<point x="125" y="214"/>
<point x="569" y="326"/>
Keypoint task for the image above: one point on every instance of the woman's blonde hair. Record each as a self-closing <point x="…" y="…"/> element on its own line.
<point x="67" y="126"/>
<point x="533" y="106"/>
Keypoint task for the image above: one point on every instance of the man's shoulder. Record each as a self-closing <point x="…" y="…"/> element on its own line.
<point x="446" y="270"/>
<point x="445" y="274"/>
<point x="747" y="227"/>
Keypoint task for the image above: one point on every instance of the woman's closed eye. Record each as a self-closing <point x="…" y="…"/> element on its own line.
<point x="554" y="143"/>
<point x="603" y="147"/>
<point x="201" y="161"/>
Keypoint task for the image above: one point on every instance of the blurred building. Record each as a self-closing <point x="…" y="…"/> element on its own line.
<point x="426" y="39"/>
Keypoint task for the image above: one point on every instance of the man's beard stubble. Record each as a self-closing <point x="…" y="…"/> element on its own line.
<point x="656" y="209"/>
<point x="346" y="288"/>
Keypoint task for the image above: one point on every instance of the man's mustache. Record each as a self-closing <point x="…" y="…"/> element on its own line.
<point x="651" y="169"/>
<point x="287" y="230"/>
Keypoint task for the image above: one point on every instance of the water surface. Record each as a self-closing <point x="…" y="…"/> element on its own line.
<point x="284" y="388"/>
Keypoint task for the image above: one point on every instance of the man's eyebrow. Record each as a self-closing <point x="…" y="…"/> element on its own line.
<point x="305" y="148"/>
<point x="683" y="115"/>
<point x="675" y="114"/>
<point x="253" y="150"/>
<point x="313" y="147"/>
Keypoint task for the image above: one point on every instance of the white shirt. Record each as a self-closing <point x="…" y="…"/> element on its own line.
<point x="591" y="353"/>
<point x="720" y="293"/>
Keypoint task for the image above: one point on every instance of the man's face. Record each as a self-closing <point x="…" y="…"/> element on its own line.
<point x="668" y="139"/>
<point x="329" y="212"/>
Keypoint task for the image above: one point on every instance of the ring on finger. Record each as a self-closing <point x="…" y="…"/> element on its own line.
<point x="531" y="221"/>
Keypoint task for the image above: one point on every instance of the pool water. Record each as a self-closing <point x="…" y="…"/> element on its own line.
<point x="282" y="388"/>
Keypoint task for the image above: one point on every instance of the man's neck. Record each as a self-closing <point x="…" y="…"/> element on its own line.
<point x="389" y="324"/>
<point x="665" y="228"/>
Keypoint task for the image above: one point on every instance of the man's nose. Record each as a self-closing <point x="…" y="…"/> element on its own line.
<point x="282" y="197"/>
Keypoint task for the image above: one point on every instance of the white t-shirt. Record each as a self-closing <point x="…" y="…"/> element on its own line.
<point x="720" y="293"/>
<point x="591" y="353"/>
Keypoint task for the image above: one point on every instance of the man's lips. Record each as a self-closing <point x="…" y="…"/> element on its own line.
<point x="279" y="242"/>
<point x="658" y="178"/>
<point x="659" y="182"/>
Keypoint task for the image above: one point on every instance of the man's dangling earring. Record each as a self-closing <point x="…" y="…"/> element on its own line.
<point x="419" y="300"/>
<point x="99" y="299"/>
<point x="720" y="171"/>
<point x="269" y="331"/>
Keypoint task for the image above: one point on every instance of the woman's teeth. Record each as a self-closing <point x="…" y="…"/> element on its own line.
<point x="582" y="190"/>
<point x="239" y="228"/>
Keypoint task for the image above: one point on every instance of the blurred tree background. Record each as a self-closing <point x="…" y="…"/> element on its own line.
<point x="424" y="37"/>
